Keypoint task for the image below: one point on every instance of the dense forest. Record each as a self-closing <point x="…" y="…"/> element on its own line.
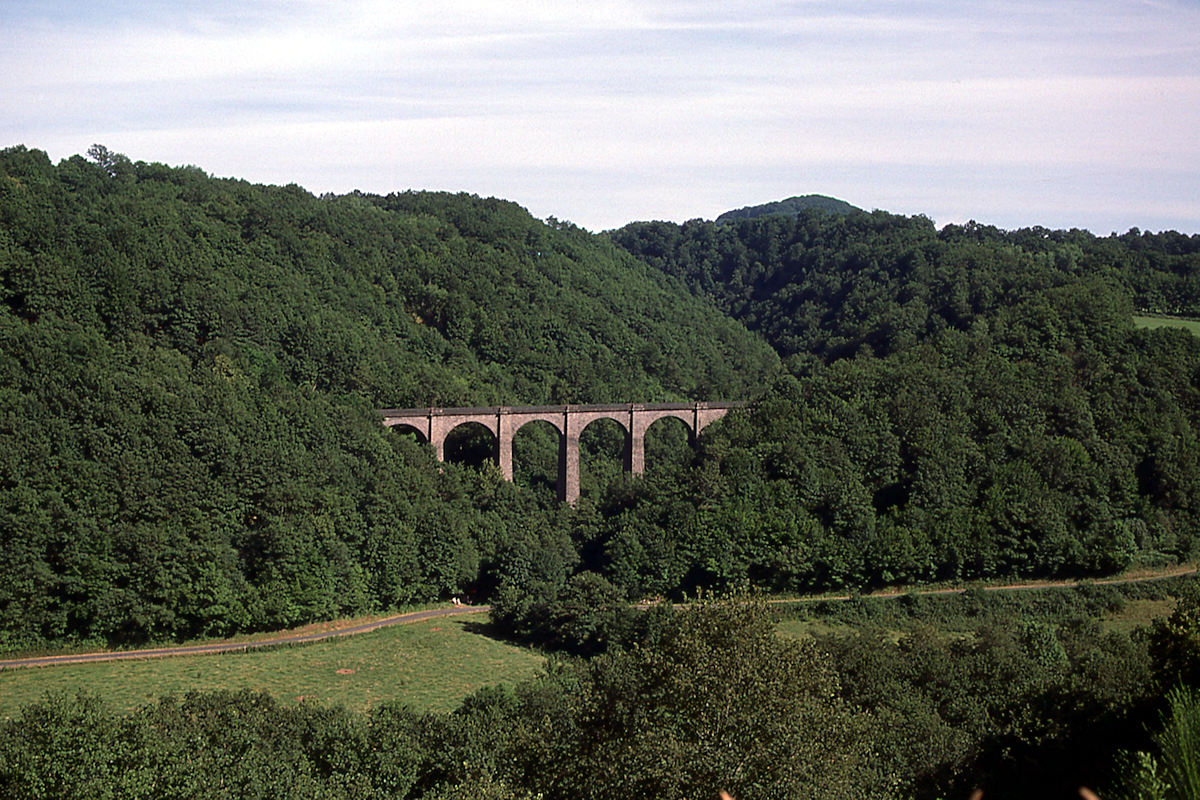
<point x="190" y="372"/>
<point x="191" y="368"/>
<point x="963" y="402"/>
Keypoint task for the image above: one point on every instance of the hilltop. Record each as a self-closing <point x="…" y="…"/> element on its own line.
<point x="791" y="207"/>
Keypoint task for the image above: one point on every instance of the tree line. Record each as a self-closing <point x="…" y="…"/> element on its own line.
<point x="191" y="366"/>
<point x="1025" y="698"/>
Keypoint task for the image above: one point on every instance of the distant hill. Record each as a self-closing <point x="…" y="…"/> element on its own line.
<point x="791" y="207"/>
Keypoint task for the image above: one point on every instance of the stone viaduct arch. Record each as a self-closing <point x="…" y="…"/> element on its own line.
<point x="435" y="424"/>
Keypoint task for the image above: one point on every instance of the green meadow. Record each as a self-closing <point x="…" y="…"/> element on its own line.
<point x="431" y="665"/>
<point x="1117" y="608"/>
<point x="1192" y="325"/>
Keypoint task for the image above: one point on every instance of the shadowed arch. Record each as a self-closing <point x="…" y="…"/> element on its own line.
<point x="603" y="452"/>
<point x="472" y="443"/>
<point x="536" y="448"/>
<point x="666" y="440"/>
<point x="406" y="429"/>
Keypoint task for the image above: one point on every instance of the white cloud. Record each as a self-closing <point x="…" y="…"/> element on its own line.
<point x="614" y="108"/>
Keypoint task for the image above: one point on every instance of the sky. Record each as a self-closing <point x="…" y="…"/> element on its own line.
<point x="1061" y="114"/>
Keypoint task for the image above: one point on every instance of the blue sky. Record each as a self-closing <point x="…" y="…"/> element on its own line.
<point x="1063" y="114"/>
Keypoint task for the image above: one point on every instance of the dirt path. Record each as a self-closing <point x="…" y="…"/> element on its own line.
<point x="1161" y="575"/>
<point x="227" y="647"/>
<point x="416" y="616"/>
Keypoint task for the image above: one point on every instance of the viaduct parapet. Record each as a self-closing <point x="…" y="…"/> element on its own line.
<point x="435" y="424"/>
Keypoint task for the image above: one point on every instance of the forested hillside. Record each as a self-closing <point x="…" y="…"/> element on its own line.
<point x="190" y="372"/>
<point x="959" y="403"/>
<point x="189" y="369"/>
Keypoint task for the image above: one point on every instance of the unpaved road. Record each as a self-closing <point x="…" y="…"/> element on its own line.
<point x="1173" y="572"/>
<point x="416" y="616"/>
<point x="227" y="647"/>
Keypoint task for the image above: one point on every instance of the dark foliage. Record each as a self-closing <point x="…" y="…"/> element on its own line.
<point x="190" y="369"/>
<point x="1025" y="698"/>
<point x="714" y="700"/>
<point x="189" y="372"/>
<point x="961" y="403"/>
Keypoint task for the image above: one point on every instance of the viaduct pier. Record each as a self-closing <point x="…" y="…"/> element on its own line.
<point x="435" y="424"/>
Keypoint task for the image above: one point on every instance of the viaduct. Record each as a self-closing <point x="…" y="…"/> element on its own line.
<point x="435" y="424"/>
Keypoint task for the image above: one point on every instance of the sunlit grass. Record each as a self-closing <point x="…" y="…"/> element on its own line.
<point x="1137" y="613"/>
<point x="431" y="665"/>
<point x="940" y="614"/>
<point x="1168" y="322"/>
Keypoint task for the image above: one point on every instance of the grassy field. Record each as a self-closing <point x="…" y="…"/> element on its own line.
<point x="1132" y="614"/>
<point x="431" y="665"/>
<point x="1118" y="608"/>
<point x="1192" y="325"/>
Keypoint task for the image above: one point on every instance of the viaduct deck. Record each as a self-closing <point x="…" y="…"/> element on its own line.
<point x="435" y="424"/>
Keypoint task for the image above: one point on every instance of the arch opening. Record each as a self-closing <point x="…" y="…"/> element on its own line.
<point x="471" y="444"/>
<point x="409" y="432"/>
<point x="668" y="444"/>
<point x="536" y="450"/>
<point x="603" y="455"/>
